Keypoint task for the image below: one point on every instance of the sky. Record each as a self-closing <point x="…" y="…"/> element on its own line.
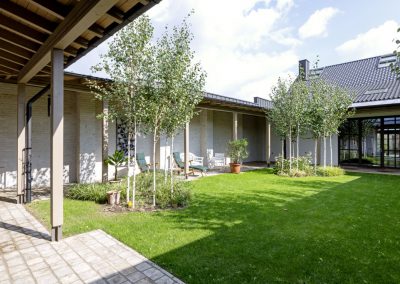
<point x="246" y="45"/>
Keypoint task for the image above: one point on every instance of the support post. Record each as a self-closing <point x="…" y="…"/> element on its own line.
<point x="235" y="126"/>
<point x="203" y="136"/>
<point x="186" y="149"/>
<point x="57" y="143"/>
<point x="20" y="141"/>
<point x="105" y="142"/>
<point x="268" y="142"/>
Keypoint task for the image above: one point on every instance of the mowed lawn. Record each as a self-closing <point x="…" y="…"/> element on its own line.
<point x="260" y="228"/>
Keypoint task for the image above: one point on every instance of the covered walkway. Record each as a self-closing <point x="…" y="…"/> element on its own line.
<point x="27" y="256"/>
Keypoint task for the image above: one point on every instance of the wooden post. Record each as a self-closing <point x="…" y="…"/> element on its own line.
<point x="57" y="143"/>
<point x="204" y="136"/>
<point x="186" y="149"/>
<point x="20" y="142"/>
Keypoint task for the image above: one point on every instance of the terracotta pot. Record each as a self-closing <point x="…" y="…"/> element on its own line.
<point x="235" y="168"/>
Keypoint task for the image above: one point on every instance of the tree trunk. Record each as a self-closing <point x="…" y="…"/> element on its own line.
<point x="290" y="149"/>
<point x="330" y="146"/>
<point x="283" y="150"/>
<point x="315" y="154"/>
<point x="165" y="160"/>
<point x="297" y="147"/>
<point x="128" y="189"/>
<point x="116" y="173"/>
<point x="171" y="162"/>
<point x="134" y="168"/>
<point x="324" y="151"/>
<point x="154" y="166"/>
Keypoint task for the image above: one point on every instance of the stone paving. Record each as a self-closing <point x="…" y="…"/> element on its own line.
<point x="27" y="255"/>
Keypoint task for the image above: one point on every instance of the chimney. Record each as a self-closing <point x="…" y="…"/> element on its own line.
<point x="304" y="69"/>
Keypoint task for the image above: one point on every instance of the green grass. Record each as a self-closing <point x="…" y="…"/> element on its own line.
<point x="260" y="228"/>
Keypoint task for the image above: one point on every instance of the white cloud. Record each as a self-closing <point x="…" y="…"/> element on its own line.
<point x="376" y="41"/>
<point x="230" y="41"/>
<point x="317" y="23"/>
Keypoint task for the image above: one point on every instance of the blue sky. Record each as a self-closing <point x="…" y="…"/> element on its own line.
<point x="245" y="45"/>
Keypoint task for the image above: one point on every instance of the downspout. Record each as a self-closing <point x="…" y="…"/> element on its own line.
<point x="28" y="143"/>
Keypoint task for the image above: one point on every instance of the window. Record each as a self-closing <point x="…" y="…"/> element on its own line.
<point x="370" y="141"/>
<point x="386" y="60"/>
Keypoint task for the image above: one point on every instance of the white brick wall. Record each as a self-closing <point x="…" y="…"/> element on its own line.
<point x="82" y="138"/>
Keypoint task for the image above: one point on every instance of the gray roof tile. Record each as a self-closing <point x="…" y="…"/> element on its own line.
<point x="363" y="77"/>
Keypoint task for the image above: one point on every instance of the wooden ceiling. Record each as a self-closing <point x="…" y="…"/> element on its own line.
<point x="29" y="29"/>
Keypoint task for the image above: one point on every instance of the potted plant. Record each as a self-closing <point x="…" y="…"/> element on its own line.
<point x="237" y="151"/>
<point x="117" y="159"/>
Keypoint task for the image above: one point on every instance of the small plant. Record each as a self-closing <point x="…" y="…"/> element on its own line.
<point x="96" y="192"/>
<point x="282" y="166"/>
<point x="117" y="159"/>
<point x="237" y="150"/>
<point x="330" y="171"/>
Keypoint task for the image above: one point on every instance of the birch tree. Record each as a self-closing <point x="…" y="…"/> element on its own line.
<point x="279" y="112"/>
<point x="127" y="63"/>
<point x="181" y="80"/>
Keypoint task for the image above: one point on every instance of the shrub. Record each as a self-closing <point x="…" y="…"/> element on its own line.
<point x="330" y="171"/>
<point x="164" y="198"/>
<point x="96" y="192"/>
<point x="237" y="150"/>
<point x="305" y="167"/>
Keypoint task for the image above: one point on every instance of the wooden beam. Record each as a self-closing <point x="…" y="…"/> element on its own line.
<point x="7" y="70"/>
<point x="9" y="64"/>
<point x="96" y="30"/>
<point x="82" y="16"/>
<point x="16" y="50"/>
<point x="28" y="17"/>
<point x="19" y="40"/>
<point x="53" y="7"/>
<point x="12" y="57"/>
<point x="22" y="30"/>
<point x="116" y="15"/>
<point x="61" y="11"/>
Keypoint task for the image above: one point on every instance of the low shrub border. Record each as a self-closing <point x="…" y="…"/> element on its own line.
<point x="97" y="192"/>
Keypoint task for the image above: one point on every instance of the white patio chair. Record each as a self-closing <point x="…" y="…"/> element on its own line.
<point x="219" y="160"/>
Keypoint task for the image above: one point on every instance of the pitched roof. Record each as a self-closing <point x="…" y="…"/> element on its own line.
<point x="365" y="77"/>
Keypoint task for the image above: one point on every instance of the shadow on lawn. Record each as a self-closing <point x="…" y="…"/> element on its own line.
<point x="336" y="233"/>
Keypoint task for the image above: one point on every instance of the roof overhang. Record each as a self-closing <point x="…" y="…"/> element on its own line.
<point x="381" y="103"/>
<point x="30" y="29"/>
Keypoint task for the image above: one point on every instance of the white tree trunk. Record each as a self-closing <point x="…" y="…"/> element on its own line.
<point x="330" y="146"/>
<point x="165" y="160"/>
<point x="134" y="168"/>
<point x="315" y="154"/>
<point x="154" y="166"/>
<point x="290" y="149"/>
<point x="283" y="151"/>
<point x="324" y="150"/>
<point x="171" y="162"/>
<point x="128" y="189"/>
<point x="297" y="147"/>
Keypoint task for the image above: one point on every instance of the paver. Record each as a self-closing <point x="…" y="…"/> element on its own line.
<point x="27" y="255"/>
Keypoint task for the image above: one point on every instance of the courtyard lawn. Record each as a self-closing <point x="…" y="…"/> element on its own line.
<point x="260" y="228"/>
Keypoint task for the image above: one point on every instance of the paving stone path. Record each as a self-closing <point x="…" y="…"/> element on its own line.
<point x="28" y="256"/>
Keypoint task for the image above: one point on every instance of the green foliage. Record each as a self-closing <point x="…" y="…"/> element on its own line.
<point x="395" y="67"/>
<point x="180" y="197"/>
<point x="96" y="192"/>
<point x="117" y="159"/>
<point x="237" y="150"/>
<point x="282" y="166"/>
<point x="330" y="171"/>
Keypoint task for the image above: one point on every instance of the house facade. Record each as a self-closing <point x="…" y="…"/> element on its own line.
<point x="371" y="137"/>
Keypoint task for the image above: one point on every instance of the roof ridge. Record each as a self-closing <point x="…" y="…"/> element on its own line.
<point x="352" y="61"/>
